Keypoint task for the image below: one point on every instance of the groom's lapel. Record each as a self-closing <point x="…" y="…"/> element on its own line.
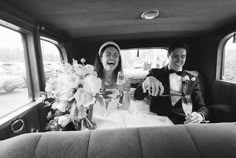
<point x="192" y="77"/>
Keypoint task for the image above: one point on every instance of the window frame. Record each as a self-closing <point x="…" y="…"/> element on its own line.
<point x="60" y="47"/>
<point x="221" y="59"/>
<point x="31" y="32"/>
<point x="62" y="53"/>
<point x="27" y="37"/>
<point x="30" y="39"/>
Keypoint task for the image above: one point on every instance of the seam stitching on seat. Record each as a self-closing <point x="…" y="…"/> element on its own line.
<point x="37" y="145"/>
<point x="88" y="143"/>
<point x="194" y="142"/>
<point x="140" y="143"/>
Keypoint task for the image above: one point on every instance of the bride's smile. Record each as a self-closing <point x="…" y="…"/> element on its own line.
<point x="110" y="58"/>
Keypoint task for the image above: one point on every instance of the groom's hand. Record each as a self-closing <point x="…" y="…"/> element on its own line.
<point x="194" y="117"/>
<point x="153" y="86"/>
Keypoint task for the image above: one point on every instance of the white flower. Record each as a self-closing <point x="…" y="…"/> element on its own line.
<point x="74" y="81"/>
<point x="89" y="69"/>
<point x="74" y="88"/>
<point x="61" y="106"/>
<point x="66" y="96"/>
<point x="50" y="85"/>
<point x="52" y="124"/>
<point x="80" y="70"/>
<point x="66" y="68"/>
<point x="84" y="98"/>
<point x="193" y="79"/>
<point x="185" y="78"/>
<point x="64" y="120"/>
<point x="82" y="60"/>
<point x="74" y="61"/>
<point x="92" y="84"/>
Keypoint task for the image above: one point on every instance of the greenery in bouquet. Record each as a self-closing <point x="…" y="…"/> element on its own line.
<point x="71" y="94"/>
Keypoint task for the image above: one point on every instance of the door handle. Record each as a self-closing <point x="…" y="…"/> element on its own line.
<point x="14" y="125"/>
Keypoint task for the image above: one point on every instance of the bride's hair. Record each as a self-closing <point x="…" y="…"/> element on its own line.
<point x="98" y="64"/>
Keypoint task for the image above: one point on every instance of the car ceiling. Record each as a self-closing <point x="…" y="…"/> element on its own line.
<point x="98" y="18"/>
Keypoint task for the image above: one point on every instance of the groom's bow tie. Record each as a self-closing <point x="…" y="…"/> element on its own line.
<point x="177" y="72"/>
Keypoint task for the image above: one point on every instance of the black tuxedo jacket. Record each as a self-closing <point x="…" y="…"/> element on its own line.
<point x="161" y="105"/>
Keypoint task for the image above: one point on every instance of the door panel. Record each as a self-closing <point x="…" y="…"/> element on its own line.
<point x="34" y="121"/>
<point x="224" y="93"/>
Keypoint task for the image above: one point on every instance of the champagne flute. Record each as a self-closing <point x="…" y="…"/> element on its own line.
<point x="187" y="105"/>
<point x="120" y="79"/>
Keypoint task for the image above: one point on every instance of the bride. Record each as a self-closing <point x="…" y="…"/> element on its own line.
<point x="115" y="109"/>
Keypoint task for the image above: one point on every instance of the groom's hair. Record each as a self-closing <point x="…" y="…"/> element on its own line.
<point x="177" y="44"/>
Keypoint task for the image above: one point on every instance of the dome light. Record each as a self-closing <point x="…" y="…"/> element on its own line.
<point x="150" y="14"/>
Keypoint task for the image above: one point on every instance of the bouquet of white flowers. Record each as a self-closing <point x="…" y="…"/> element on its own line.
<point x="74" y="90"/>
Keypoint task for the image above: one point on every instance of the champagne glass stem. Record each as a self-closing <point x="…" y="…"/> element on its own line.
<point x="187" y="105"/>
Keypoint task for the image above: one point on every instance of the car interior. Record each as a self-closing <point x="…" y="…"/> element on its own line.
<point x="77" y="29"/>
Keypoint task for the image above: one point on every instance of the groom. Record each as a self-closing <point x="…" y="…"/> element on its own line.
<point x="171" y="85"/>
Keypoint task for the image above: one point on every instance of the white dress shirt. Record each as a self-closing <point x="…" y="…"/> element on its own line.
<point x="175" y="87"/>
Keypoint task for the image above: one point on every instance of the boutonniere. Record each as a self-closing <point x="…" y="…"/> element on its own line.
<point x="193" y="79"/>
<point x="186" y="78"/>
<point x="188" y="82"/>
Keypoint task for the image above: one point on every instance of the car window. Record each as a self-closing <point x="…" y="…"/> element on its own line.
<point x="137" y="62"/>
<point x="229" y="61"/>
<point x="13" y="78"/>
<point x="51" y="56"/>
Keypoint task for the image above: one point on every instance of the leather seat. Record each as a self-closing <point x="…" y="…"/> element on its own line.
<point x="186" y="141"/>
<point x="217" y="112"/>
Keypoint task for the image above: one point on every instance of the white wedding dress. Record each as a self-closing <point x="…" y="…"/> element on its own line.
<point x="107" y="114"/>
